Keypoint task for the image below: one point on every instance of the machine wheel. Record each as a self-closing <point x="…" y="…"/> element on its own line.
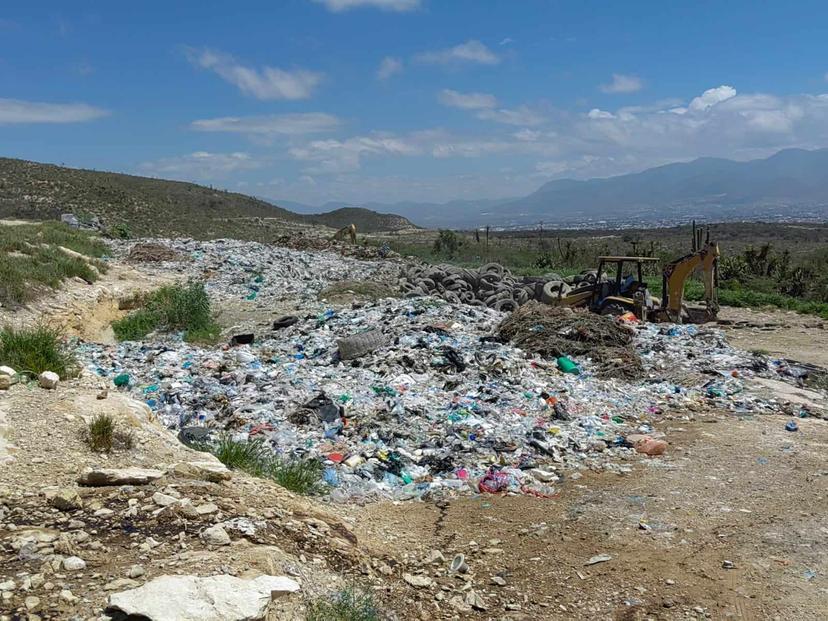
<point x="614" y="309"/>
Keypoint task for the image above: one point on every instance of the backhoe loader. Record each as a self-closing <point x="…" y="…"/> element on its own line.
<point x="616" y="294"/>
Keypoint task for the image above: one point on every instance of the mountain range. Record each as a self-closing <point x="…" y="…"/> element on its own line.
<point x="789" y="185"/>
<point x="792" y="183"/>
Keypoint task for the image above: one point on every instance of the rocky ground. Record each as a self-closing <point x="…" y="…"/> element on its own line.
<point x="728" y="523"/>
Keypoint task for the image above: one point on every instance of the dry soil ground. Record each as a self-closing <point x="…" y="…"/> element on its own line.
<point x="729" y="489"/>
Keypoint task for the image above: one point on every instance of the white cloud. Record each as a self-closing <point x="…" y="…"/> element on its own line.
<point x="19" y="111"/>
<point x="339" y="156"/>
<point x="527" y="135"/>
<point x="521" y="115"/>
<point x="466" y="101"/>
<point x="471" y="51"/>
<point x="711" y="97"/>
<point x="506" y="41"/>
<point x="388" y="67"/>
<point x="595" y="113"/>
<point x="623" y="84"/>
<point x="338" y="6"/>
<point x="295" y="124"/>
<point x="202" y="165"/>
<point x="267" y="83"/>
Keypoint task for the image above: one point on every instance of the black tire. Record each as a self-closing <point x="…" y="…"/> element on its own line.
<point x="615" y="309"/>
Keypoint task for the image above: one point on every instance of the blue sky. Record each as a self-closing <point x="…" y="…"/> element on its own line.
<point x="426" y="100"/>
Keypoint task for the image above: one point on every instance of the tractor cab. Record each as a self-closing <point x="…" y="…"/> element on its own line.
<point x="620" y="287"/>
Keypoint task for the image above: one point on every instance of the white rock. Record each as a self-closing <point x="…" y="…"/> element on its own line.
<point x="100" y="477"/>
<point x="4" y="370"/>
<point x="418" y="581"/>
<point x="67" y="596"/>
<point x="207" y="508"/>
<point x="186" y="508"/>
<point x="163" y="500"/>
<point x="136" y="571"/>
<point x="48" y="380"/>
<point x="74" y="563"/>
<point x="64" y="498"/>
<point x="215" y="536"/>
<point x="194" y="598"/>
<point x="213" y="471"/>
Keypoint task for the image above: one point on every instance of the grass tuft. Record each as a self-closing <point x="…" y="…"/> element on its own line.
<point x="101" y="435"/>
<point x="350" y="604"/>
<point x="168" y="309"/>
<point x="31" y="351"/>
<point x="32" y="262"/>
<point x="303" y="476"/>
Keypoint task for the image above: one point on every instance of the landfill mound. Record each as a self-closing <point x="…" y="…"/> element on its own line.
<point x="407" y="398"/>
<point x="553" y="332"/>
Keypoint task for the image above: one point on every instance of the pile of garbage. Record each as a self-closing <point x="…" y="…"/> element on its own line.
<point x="262" y="274"/>
<point x="152" y="252"/>
<point x="410" y="397"/>
<point x="555" y="332"/>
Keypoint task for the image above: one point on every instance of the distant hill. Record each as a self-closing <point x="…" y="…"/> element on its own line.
<point x="366" y="221"/>
<point x="453" y="214"/>
<point x="155" y="207"/>
<point x="714" y="188"/>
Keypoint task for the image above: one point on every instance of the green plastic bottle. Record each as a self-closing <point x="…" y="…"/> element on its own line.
<point x="566" y="365"/>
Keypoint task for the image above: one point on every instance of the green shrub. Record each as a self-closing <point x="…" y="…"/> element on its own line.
<point x="101" y="435"/>
<point x="169" y="309"/>
<point x="34" y="350"/>
<point x="349" y="604"/>
<point x="447" y="243"/>
<point x="303" y="476"/>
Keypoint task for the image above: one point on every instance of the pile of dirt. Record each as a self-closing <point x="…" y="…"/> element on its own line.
<point x="152" y="253"/>
<point x="554" y="331"/>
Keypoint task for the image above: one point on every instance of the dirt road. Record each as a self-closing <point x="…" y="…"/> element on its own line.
<point x="780" y="333"/>
<point x="729" y="491"/>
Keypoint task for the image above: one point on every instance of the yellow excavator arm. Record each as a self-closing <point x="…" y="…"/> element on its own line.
<point x="677" y="273"/>
<point x="349" y="232"/>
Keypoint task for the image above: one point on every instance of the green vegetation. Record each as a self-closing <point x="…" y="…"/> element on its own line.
<point x="128" y="206"/>
<point x="447" y="243"/>
<point x="169" y="309"/>
<point x="31" y="259"/>
<point x="101" y="435"/>
<point x="303" y="476"/>
<point x="31" y="351"/>
<point x="350" y="604"/>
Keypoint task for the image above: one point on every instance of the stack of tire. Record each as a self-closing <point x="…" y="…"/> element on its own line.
<point x="492" y="285"/>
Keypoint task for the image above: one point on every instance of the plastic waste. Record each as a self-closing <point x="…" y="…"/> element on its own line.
<point x="566" y="365"/>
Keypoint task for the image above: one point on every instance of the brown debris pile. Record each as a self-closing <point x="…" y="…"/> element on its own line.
<point x="152" y="253"/>
<point x="553" y="331"/>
